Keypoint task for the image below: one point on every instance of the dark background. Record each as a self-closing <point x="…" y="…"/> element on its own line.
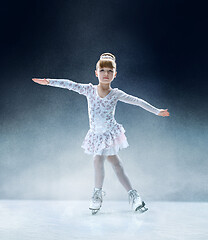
<point x="165" y="41"/>
<point x="162" y="57"/>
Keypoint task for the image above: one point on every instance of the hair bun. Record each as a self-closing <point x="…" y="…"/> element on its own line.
<point x="107" y="56"/>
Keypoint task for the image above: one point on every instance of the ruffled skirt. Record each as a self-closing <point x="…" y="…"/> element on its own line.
<point x="107" y="143"/>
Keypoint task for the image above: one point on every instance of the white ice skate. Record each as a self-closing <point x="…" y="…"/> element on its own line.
<point x="136" y="203"/>
<point x="96" y="200"/>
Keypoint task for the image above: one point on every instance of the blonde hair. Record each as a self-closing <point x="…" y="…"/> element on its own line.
<point x="106" y="60"/>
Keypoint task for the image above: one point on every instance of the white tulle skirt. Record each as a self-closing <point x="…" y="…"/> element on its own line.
<point x="107" y="143"/>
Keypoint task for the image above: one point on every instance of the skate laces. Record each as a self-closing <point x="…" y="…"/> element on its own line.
<point x="133" y="195"/>
<point x="98" y="195"/>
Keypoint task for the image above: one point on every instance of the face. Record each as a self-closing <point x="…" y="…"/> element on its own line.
<point x="105" y="74"/>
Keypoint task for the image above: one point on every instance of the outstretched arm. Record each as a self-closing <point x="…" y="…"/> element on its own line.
<point x="124" y="97"/>
<point x="64" y="83"/>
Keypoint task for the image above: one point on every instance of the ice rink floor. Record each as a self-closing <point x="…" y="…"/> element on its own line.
<point x="66" y="220"/>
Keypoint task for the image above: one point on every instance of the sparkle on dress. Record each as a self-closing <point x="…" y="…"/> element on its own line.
<point x="105" y="136"/>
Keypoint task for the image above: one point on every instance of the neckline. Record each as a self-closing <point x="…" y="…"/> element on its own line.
<point x="99" y="95"/>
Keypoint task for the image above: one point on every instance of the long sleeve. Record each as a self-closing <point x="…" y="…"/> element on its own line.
<point x="70" y="85"/>
<point x="124" y="97"/>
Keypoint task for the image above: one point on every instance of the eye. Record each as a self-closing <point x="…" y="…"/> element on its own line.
<point x="101" y="70"/>
<point x="110" y="71"/>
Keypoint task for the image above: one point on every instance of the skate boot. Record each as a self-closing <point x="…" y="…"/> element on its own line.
<point x="136" y="203"/>
<point x="96" y="200"/>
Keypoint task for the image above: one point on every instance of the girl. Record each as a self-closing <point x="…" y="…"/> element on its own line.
<point x="105" y="137"/>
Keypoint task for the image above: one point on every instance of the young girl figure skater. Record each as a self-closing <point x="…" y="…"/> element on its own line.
<point x="105" y="137"/>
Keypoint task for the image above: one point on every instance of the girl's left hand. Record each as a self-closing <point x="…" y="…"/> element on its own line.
<point x="164" y="113"/>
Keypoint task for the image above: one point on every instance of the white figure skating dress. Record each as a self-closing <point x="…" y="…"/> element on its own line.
<point x="105" y="136"/>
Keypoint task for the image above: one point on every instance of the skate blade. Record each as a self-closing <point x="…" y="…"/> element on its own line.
<point x="94" y="211"/>
<point x="142" y="208"/>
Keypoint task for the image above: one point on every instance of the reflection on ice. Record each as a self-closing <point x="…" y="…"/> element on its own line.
<point x="21" y="220"/>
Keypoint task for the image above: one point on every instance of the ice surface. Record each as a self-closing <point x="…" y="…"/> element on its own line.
<point x="66" y="220"/>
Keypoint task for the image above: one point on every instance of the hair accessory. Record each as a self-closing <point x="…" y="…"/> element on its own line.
<point x="107" y="57"/>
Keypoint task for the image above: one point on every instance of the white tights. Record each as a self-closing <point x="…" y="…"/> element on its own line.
<point x="117" y="167"/>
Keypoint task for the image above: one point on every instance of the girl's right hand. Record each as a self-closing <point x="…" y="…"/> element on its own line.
<point x="43" y="81"/>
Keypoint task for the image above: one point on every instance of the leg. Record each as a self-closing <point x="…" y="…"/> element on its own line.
<point x="99" y="170"/>
<point x="118" y="168"/>
<point x="96" y="200"/>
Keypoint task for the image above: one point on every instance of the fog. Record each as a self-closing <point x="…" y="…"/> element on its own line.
<point x="42" y="158"/>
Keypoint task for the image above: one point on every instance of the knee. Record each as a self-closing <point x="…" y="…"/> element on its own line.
<point x="111" y="158"/>
<point x="99" y="160"/>
<point x="114" y="160"/>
